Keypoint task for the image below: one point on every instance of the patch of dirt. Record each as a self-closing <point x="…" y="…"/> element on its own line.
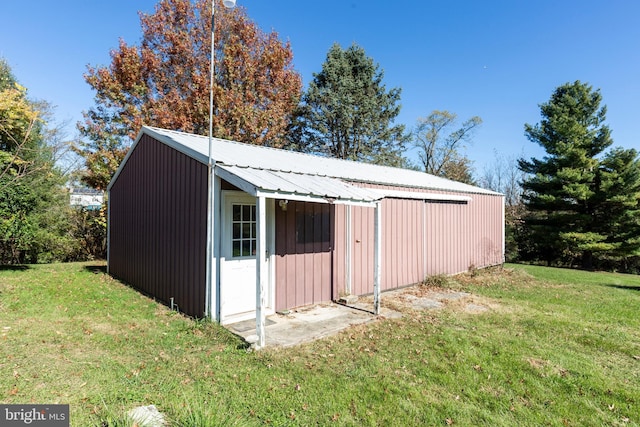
<point x="450" y="292"/>
<point x="425" y="298"/>
<point x="537" y="363"/>
<point x="493" y="276"/>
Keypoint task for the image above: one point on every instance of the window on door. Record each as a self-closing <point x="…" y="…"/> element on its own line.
<point x="243" y="238"/>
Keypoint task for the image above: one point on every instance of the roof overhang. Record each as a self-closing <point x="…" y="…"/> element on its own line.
<point x="296" y="186"/>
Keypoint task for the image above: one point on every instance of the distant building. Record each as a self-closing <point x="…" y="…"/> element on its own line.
<point x="86" y="198"/>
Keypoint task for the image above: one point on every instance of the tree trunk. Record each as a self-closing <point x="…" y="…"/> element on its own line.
<point x="587" y="260"/>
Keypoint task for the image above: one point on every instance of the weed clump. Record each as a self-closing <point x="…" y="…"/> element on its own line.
<point x="436" y="281"/>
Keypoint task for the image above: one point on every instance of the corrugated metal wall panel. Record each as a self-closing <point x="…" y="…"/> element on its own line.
<point x="304" y="271"/>
<point x="402" y="246"/>
<point x="457" y="236"/>
<point x="339" y="277"/>
<point x="463" y="236"/>
<point x="158" y="225"/>
<point x="402" y="253"/>
<point x="362" y="249"/>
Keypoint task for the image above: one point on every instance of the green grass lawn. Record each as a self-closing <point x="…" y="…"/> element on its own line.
<point x="557" y="347"/>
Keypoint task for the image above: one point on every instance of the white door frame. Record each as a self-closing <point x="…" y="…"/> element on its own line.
<point x="229" y="197"/>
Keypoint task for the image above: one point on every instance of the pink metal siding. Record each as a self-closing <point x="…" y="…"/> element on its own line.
<point x="157" y="227"/>
<point x="460" y="237"/>
<point x="339" y="275"/>
<point x="419" y="239"/>
<point x="402" y="246"/>
<point x="304" y="271"/>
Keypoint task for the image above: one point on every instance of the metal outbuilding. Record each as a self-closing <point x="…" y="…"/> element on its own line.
<point x="326" y="227"/>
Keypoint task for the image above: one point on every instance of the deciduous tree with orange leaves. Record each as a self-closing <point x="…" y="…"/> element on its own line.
<point x="164" y="82"/>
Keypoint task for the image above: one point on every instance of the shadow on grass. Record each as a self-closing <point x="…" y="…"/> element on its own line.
<point x="17" y="267"/>
<point x="96" y="269"/>
<point x="627" y="287"/>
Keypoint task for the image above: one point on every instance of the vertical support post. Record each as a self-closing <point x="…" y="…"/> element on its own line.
<point x="377" y="254"/>
<point x="261" y="268"/>
<point x="209" y="289"/>
<point x="424" y="240"/>
<point x="504" y="236"/>
<point x="349" y="250"/>
<point x="108" y="195"/>
<point x="214" y="296"/>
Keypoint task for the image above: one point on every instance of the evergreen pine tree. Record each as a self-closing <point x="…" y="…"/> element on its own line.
<point x="580" y="204"/>
<point x="348" y="113"/>
<point x="619" y="213"/>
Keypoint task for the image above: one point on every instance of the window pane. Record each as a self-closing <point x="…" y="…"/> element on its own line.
<point x="243" y="230"/>
<point x="246" y="248"/>
<point x="246" y="213"/>
<point x="246" y="231"/>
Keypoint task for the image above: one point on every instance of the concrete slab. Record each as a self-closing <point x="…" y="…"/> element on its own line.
<point x="308" y="324"/>
<point x="423" y="303"/>
<point x="313" y="322"/>
<point x="451" y="295"/>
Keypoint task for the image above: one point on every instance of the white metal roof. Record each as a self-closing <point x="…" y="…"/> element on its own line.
<point x="280" y="171"/>
<point x="296" y="186"/>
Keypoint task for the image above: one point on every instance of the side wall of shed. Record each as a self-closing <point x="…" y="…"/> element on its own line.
<point x="460" y="237"/>
<point x="157" y="226"/>
<point x="419" y="239"/>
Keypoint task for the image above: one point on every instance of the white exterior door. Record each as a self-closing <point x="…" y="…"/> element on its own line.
<point x="238" y="260"/>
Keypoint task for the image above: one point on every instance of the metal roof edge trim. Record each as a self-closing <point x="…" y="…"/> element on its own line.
<point x="167" y="140"/>
<point x="417" y="195"/>
<point x="147" y="130"/>
<point x="124" y="161"/>
<point x="484" y="191"/>
<point x="278" y="195"/>
<point x="233" y="179"/>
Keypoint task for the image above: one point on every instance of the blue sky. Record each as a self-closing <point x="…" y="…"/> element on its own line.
<point x="495" y="59"/>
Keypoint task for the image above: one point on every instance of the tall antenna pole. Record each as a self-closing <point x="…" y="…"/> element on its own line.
<point x="209" y="307"/>
<point x="209" y="310"/>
